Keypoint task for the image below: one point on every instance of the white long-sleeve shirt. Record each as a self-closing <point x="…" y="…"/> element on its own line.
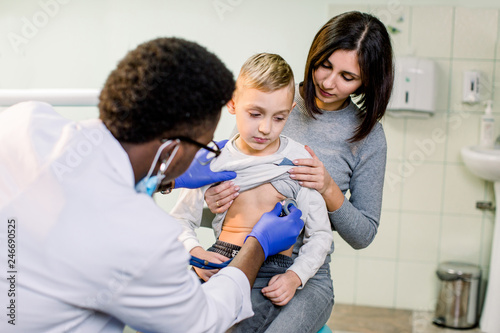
<point x="91" y="254"/>
<point x="253" y="171"/>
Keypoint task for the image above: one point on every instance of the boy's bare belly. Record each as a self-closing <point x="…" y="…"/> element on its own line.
<point x="246" y="211"/>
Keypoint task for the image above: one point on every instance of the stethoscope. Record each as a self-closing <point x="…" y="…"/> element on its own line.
<point x="205" y="264"/>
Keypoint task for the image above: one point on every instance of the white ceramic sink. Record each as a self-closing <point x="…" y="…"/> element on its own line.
<point x="483" y="162"/>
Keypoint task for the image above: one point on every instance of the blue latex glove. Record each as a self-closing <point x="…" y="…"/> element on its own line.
<point x="198" y="175"/>
<point x="276" y="234"/>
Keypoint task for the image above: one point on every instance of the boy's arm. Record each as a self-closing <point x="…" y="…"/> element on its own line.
<point x="188" y="211"/>
<point x="318" y="235"/>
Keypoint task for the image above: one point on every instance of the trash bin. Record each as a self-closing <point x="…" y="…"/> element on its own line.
<point x="458" y="301"/>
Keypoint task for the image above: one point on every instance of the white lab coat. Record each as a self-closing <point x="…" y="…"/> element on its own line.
<point x="91" y="253"/>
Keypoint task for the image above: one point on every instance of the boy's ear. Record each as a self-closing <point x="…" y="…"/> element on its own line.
<point x="293" y="105"/>
<point x="230" y="106"/>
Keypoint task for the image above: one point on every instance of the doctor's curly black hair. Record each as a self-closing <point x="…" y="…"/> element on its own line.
<point x="164" y="88"/>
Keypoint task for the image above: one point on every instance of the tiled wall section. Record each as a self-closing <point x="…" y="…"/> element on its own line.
<point x="429" y="213"/>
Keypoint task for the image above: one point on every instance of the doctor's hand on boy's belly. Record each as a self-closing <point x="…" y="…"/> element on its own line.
<point x="246" y="211"/>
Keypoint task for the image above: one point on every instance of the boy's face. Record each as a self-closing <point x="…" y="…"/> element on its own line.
<point x="260" y="118"/>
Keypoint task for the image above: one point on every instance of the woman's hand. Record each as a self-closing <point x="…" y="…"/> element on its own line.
<point x="220" y="197"/>
<point x="214" y="257"/>
<point x="282" y="287"/>
<point x="312" y="173"/>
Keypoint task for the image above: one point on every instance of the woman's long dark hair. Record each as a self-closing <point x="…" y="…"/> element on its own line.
<point x="365" y="34"/>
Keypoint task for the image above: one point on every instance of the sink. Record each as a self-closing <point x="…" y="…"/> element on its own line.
<point x="483" y="162"/>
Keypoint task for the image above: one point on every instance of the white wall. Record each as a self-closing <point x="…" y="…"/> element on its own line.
<point x="81" y="41"/>
<point x="428" y="215"/>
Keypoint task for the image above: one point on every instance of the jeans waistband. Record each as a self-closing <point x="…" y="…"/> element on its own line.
<point x="226" y="249"/>
<point x="230" y="251"/>
<point x="279" y="260"/>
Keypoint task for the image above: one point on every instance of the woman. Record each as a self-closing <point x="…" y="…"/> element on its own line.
<point x="351" y="56"/>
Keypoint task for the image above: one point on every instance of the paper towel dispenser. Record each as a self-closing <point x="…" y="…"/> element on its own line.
<point x="414" y="87"/>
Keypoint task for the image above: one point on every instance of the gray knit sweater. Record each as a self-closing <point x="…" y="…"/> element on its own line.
<point x="358" y="167"/>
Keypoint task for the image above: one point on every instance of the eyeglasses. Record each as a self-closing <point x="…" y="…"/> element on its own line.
<point x="212" y="148"/>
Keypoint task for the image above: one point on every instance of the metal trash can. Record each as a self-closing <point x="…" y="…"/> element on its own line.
<point x="458" y="301"/>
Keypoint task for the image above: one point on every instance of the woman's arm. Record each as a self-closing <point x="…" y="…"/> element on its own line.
<point x="357" y="219"/>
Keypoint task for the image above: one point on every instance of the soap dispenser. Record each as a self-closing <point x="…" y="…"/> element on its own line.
<point x="487" y="133"/>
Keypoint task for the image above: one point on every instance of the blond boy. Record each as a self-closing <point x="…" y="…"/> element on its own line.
<point x="261" y="157"/>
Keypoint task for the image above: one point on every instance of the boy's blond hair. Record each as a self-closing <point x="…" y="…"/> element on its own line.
<point x="266" y="72"/>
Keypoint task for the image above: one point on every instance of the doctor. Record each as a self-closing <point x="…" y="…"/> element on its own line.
<point x="83" y="245"/>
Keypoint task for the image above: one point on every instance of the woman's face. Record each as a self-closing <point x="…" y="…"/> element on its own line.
<point x="336" y="79"/>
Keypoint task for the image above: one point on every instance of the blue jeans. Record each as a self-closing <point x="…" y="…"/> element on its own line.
<point x="264" y="311"/>
<point x="310" y="307"/>
<point x="307" y="312"/>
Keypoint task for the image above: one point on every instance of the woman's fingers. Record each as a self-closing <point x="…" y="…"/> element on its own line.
<point x="307" y="162"/>
<point x="310" y="151"/>
<point x="311" y="173"/>
<point x="220" y="197"/>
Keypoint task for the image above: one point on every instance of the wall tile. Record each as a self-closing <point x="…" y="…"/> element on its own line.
<point x="392" y="186"/>
<point x="496" y="87"/>
<point x="431" y="31"/>
<point x="414" y="229"/>
<point x="422" y="190"/>
<point x="490" y="192"/>
<point x="342" y="248"/>
<point x="457" y="78"/>
<point x="498" y="43"/>
<point x="375" y="282"/>
<point x="385" y="244"/>
<point x="417" y="286"/>
<point x="461" y="239"/>
<point x="394" y="129"/>
<point x="462" y="191"/>
<point x="463" y="130"/>
<point x="396" y="16"/>
<point x="443" y="68"/>
<point x="343" y="271"/>
<point x="475" y="33"/>
<point x="485" y="273"/>
<point x="427" y="137"/>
